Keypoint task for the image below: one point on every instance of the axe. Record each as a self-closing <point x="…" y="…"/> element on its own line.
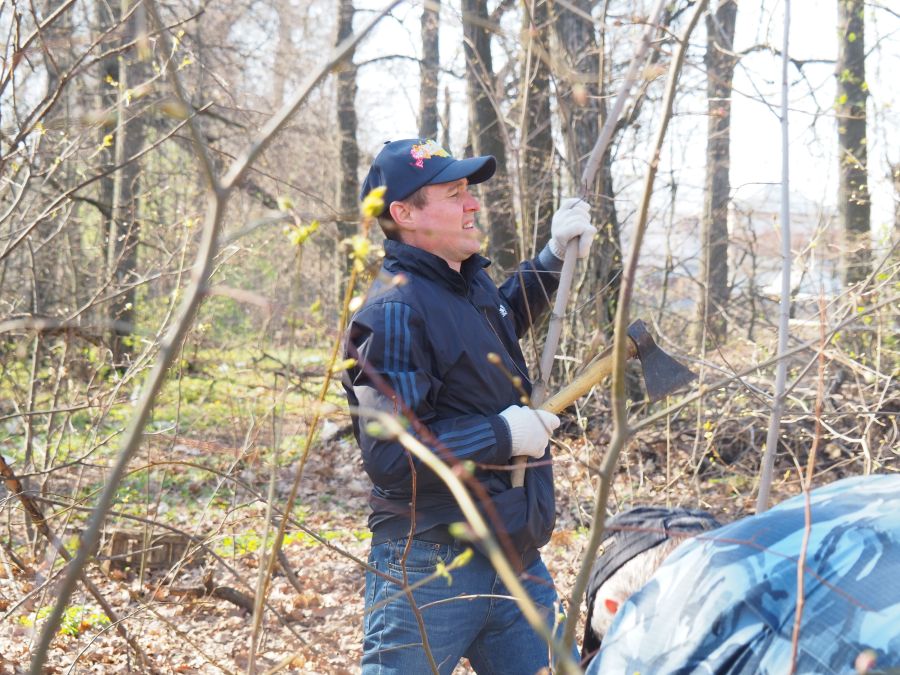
<point x="568" y="268"/>
<point x="662" y="375"/>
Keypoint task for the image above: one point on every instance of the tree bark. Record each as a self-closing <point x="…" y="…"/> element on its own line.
<point x="45" y="276"/>
<point x="445" y="121"/>
<point x="348" y="188"/>
<point x="428" y="70"/>
<point x="121" y="73"/>
<point x="853" y="190"/>
<point x="285" y="53"/>
<point x="895" y="174"/>
<point x="583" y="111"/>
<point x="537" y="141"/>
<point x="348" y="151"/>
<point x="488" y="136"/>
<point x="720" y="63"/>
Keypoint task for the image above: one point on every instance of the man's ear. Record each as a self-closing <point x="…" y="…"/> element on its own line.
<point x="400" y="212"/>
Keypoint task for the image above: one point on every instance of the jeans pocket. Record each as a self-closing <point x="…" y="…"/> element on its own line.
<point x="421" y="559"/>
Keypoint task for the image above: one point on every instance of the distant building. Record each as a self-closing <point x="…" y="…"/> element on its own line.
<point x="755" y="248"/>
<point x="670" y="259"/>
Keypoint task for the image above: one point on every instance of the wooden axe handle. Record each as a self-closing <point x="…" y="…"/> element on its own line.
<point x="593" y="374"/>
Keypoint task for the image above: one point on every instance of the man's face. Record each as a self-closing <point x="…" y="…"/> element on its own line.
<point x="445" y="226"/>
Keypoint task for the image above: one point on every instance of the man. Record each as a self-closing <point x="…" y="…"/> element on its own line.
<point x="424" y="343"/>
<point x="724" y="602"/>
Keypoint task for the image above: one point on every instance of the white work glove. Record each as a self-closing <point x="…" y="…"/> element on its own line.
<point x="573" y="219"/>
<point x="529" y="429"/>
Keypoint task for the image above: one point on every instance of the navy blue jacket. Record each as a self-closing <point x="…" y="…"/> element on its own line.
<point x="425" y="331"/>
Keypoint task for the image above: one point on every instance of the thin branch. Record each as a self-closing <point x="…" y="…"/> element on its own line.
<point x="567" y="273"/>
<point x="14" y="485"/>
<point x="807" y="486"/>
<point x="768" y="462"/>
<point x="63" y="196"/>
<point x="274" y="125"/>
<point x="200" y="147"/>
<point x="622" y="431"/>
<point x="217" y="199"/>
<point x="708" y="389"/>
<point x="404" y="57"/>
<point x="481" y="533"/>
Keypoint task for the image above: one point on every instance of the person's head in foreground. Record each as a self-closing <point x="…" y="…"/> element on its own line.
<point x="725" y="601"/>
<point x="635" y="543"/>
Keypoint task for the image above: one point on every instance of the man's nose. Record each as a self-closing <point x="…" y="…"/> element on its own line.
<point x="471" y="203"/>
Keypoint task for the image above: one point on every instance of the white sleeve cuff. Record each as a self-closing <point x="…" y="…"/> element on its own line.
<point x="554" y="249"/>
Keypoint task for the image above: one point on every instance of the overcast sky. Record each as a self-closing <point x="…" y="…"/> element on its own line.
<point x="388" y="98"/>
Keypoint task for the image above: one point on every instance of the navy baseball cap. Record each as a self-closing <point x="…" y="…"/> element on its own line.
<point x="405" y="166"/>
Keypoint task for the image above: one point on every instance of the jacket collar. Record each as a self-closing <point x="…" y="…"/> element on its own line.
<point x="400" y="257"/>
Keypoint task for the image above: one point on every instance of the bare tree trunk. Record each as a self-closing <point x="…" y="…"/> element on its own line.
<point x="583" y="110"/>
<point x="488" y="136"/>
<point x="45" y="292"/>
<point x="348" y="149"/>
<point x="714" y="289"/>
<point x="537" y="142"/>
<point x="428" y="70"/>
<point x="220" y="189"/>
<point x="285" y="53"/>
<point x="121" y="73"/>
<point x="895" y="174"/>
<point x="767" y="469"/>
<point x="852" y="90"/>
<point x="445" y="121"/>
<point x="348" y="197"/>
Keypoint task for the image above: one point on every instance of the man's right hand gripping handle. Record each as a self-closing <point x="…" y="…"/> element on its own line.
<point x="529" y="430"/>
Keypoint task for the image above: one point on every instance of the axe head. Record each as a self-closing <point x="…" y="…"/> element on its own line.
<point x="662" y="373"/>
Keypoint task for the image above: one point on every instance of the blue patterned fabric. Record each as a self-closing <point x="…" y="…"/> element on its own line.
<point x="725" y="601"/>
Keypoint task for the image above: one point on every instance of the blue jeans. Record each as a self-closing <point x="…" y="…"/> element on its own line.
<point x="489" y="629"/>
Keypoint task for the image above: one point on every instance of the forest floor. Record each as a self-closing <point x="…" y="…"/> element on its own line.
<point x="183" y="628"/>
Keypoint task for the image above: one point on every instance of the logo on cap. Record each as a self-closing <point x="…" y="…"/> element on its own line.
<point x="422" y="151"/>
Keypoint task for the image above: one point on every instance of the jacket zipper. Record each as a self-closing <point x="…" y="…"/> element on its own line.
<point x="483" y="314"/>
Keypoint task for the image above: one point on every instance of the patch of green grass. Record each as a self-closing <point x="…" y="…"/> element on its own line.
<point x="250" y="542"/>
<point x="209" y="392"/>
<point x="75" y="620"/>
<point x="215" y="390"/>
<point x="222" y="395"/>
<point x="736" y="482"/>
<point x="239" y="544"/>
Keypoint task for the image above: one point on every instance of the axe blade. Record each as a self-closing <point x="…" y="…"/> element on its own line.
<point x="662" y="374"/>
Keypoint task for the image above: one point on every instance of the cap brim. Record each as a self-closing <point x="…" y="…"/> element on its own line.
<point x="475" y="169"/>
